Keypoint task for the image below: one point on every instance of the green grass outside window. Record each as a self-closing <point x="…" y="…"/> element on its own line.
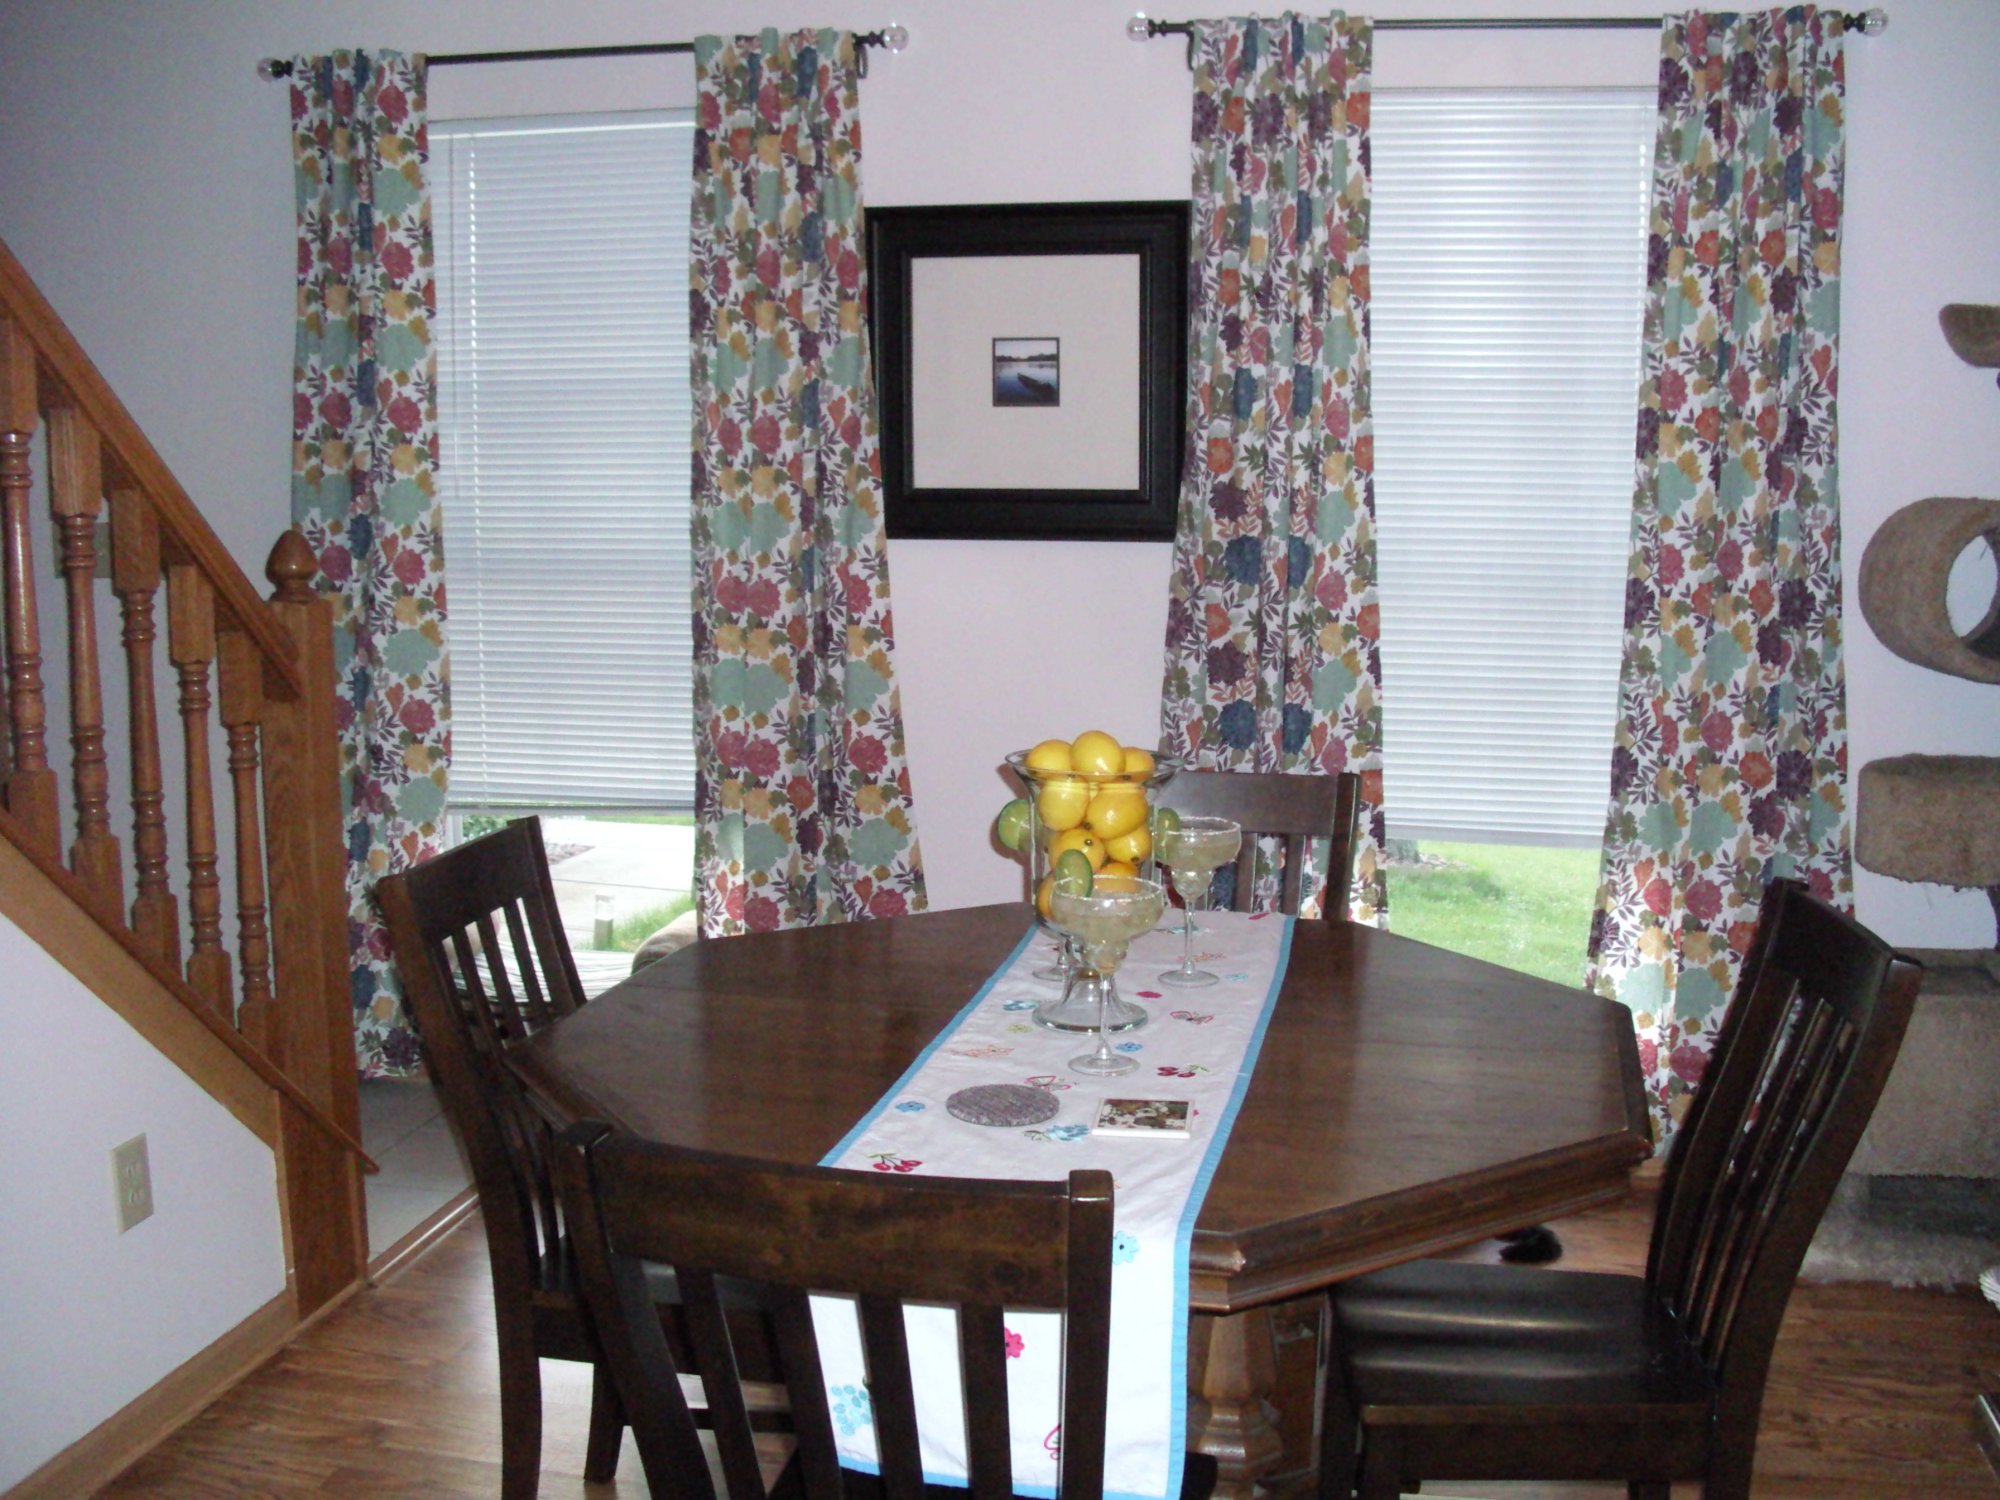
<point x="1526" y="908"/>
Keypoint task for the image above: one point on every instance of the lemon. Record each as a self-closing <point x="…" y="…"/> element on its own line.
<point x="1062" y="804"/>
<point x="1072" y="874"/>
<point x="1095" y="753"/>
<point x="1129" y="848"/>
<point x="1138" y="762"/>
<point x="1117" y="808"/>
<point x="1049" y="755"/>
<point x="1011" y="827"/>
<point x="1083" y="841"/>
<point x="1119" y="867"/>
<point x="1042" y="894"/>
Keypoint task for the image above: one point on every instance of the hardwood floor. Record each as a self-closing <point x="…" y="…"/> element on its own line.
<point x="395" y="1395"/>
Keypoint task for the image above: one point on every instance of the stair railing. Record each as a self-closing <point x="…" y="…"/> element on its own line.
<point x="262" y="670"/>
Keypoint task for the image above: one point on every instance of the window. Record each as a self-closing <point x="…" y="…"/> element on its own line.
<point x="562" y="248"/>
<point x="1507" y="259"/>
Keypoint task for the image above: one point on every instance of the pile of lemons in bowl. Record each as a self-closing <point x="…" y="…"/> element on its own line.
<point x="1090" y="812"/>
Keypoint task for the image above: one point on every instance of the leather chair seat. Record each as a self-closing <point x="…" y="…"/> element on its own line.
<point x="1438" y="1336"/>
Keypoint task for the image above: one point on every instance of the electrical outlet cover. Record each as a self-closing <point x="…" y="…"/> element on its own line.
<point x="132" y="1178"/>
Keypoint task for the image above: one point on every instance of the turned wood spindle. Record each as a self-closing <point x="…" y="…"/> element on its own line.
<point x="31" y="782"/>
<point x="76" y="473"/>
<point x="239" y="672"/>
<point x="135" y="576"/>
<point x="191" y="647"/>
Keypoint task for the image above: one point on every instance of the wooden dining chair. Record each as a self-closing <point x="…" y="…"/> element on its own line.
<point x="984" y="1247"/>
<point x="1467" y="1372"/>
<point x="1293" y="810"/>
<point x="480" y="949"/>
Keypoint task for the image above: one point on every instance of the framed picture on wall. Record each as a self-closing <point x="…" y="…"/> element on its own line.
<point x="1031" y="367"/>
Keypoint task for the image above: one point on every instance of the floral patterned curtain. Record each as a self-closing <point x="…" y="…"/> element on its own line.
<point x="1271" y="660"/>
<point x="364" y="452"/>
<point x="1731" y="760"/>
<point x="802" y="793"/>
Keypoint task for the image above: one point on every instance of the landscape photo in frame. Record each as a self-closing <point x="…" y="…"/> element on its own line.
<point x="1027" y="372"/>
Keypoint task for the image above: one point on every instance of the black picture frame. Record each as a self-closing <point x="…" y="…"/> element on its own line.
<point x="1017" y="505"/>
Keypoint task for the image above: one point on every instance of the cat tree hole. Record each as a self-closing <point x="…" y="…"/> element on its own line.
<point x="1972" y="595"/>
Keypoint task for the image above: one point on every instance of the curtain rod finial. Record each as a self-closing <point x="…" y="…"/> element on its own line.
<point x="270" y="68"/>
<point x="1139" y="28"/>
<point x="1874" y="21"/>
<point x="895" y="37"/>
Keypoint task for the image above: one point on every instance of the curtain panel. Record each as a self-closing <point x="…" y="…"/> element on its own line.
<point x="802" y="791"/>
<point x="1271" y="653"/>
<point x="1730" y="764"/>
<point x="364" y="457"/>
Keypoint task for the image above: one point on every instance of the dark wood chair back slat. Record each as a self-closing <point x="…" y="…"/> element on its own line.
<point x="1285" y="813"/>
<point x="982" y="1362"/>
<point x="892" y="1395"/>
<point x="1796" y="1070"/>
<point x="798" y="1350"/>
<point x="982" y="1247"/>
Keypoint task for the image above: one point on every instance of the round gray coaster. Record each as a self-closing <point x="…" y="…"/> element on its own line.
<point x="1002" y="1104"/>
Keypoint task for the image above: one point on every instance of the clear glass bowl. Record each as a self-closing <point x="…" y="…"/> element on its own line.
<point x="1074" y="1008"/>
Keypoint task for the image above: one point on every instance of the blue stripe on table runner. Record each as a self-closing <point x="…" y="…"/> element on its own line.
<point x="1204" y="1175"/>
<point x="937" y="1041"/>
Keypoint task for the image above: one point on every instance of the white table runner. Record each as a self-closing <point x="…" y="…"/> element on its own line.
<point x="1199" y="1045"/>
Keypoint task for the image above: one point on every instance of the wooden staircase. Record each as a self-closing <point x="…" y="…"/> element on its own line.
<point x="265" y="1027"/>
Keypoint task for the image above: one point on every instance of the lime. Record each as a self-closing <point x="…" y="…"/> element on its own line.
<point x="1072" y="873"/>
<point x="1011" y="827"/>
<point x="1165" y="820"/>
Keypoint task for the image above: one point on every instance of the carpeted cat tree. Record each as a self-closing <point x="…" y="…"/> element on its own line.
<point x="1934" y="1141"/>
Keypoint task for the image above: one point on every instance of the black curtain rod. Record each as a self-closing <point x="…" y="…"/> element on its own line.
<point x="1869" y="23"/>
<point x="894" y="38"/>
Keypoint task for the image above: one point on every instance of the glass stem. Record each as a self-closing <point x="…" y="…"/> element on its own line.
<point x="1103" y="1000"/>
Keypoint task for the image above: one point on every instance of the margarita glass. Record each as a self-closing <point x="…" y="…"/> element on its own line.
<point x="1194" y="850"/>
<point x="1116" y="909"/>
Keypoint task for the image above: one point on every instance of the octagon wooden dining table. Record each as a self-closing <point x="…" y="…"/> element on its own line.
<point x="1406" y="1100"/>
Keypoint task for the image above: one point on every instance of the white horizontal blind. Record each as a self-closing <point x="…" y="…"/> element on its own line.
<point x="1507" y="252"/>
<point x="562" y="251"/>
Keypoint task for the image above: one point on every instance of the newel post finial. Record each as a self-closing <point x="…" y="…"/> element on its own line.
<point x="291" y="568"/>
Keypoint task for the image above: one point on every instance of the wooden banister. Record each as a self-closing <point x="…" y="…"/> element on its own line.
<point x="259" y="671"/>
<point x="131" y="459"/>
